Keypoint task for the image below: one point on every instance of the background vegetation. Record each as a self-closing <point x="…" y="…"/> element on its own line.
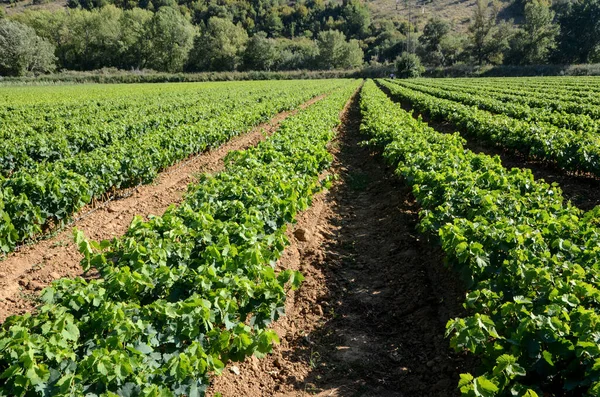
<point x="277" y="35"/>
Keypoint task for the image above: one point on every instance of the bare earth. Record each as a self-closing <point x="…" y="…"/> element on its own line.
<point x="369" y="318"/>
<point x="26" y="272"/>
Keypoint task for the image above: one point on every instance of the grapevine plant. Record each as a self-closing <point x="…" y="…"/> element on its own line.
<point x="568" y="149"/>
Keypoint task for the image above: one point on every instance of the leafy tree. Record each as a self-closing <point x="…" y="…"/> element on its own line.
<point x="480" y="29"/>
<point x="431" y="40"/>
<point x="452" y="48"/>
<point x="488" y="40"/>
<point x="273" y="24"/>
<point x="22" y="51"/>
<point x="408" y="65"/>
<point x="296" y="54"/>
<point x="261" y="53"/>
<point x="537" y="36"/>
<point x="51" y="26"/>
<point x="171" y="37"/>
<point x="353" y="55"/>
<point x="135" y="50"/>
<point x="386" y="44"/>
<point x="104" y="45"/>
<point x="85" y="40"/>
<point x="336" y="53"/>
<point x="499" y="45"/>
<point x="579" y="39"/>
<point x="220" y="46"/>
<point x="356" y="17"/>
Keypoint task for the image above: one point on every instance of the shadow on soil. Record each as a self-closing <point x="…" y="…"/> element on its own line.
<point x="390" y="295"/>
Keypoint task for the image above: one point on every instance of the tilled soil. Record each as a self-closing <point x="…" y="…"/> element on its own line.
<point x="583" y="190"/>
<point x="26" y="272"/>
<point x="369" y="319"/>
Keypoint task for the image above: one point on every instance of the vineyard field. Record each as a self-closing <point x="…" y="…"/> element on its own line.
<point x="575" y="149"/>
<point x="354" y="244"/>
<point x="530" y="259"/>
<point x="58" y="156"/>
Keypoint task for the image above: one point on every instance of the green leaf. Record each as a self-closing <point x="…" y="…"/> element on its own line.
<point x="484" y="387"/>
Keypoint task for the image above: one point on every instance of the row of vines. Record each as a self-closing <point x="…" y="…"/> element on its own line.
<point x="558" y="135"/>
<point x="530" y="260"/>
<point x="182" y="294"/>
<point x="55" y="158"/>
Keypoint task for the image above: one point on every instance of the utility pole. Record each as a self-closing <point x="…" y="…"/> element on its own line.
<point x="409" y="26"/>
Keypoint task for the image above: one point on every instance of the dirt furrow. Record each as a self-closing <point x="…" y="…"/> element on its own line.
<point x="24" y="273"/>
<point x="582" y="190"/>
<point x="369" y="319"/>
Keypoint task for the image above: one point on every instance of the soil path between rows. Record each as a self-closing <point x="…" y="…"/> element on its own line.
<point x="369" y="318"/>
<point x="26" y="272"/>
<point x="582" y="190"/>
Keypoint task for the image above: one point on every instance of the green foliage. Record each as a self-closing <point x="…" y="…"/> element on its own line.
<point x="536" y="38"/>
<point x="172" y="37"/>
<point x="569" y="149"/>
<point x="434" y="34"/>
<point x="22" y="51"/>
<point x="579" y="39"/>
<point x="261" y="53"/>
<point x="182" y="294"/>
<point x="220" y="46"/>
<point x="51" y="165"/>
<point x="409" y="66"/>
<point x="130" y="34"/>
<point x="296" y="54"/>
<point x="356" y="17"/>
<point x="529" y="259"/>
<point x="489" y="41"/>
<point x="387" y="42"/>
<point x="337" y="53"/>
<point x="558" y="108"/>
<point x="87" y="40"/>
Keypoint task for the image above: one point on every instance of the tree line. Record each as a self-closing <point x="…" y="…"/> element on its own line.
<point x="272" y="35"/>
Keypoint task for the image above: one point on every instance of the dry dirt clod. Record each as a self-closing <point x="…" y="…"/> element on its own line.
<point x="35" y="285"/>
<point x="301" y="234"/>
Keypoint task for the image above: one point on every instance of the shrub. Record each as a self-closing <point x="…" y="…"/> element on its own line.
<point x="409" y="66"/>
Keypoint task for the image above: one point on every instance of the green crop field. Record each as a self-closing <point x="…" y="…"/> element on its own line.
<point x="63" y="147"/>
<point x="179" y="296"/>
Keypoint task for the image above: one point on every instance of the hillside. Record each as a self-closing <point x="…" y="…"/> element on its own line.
<point x="457" y="12"/>
<point x="23" y="5"/>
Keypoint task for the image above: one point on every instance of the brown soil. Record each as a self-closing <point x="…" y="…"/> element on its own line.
<point x="26" y="272"/>
<point x="582" y="190"/>
<point x="369" y="319"/>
